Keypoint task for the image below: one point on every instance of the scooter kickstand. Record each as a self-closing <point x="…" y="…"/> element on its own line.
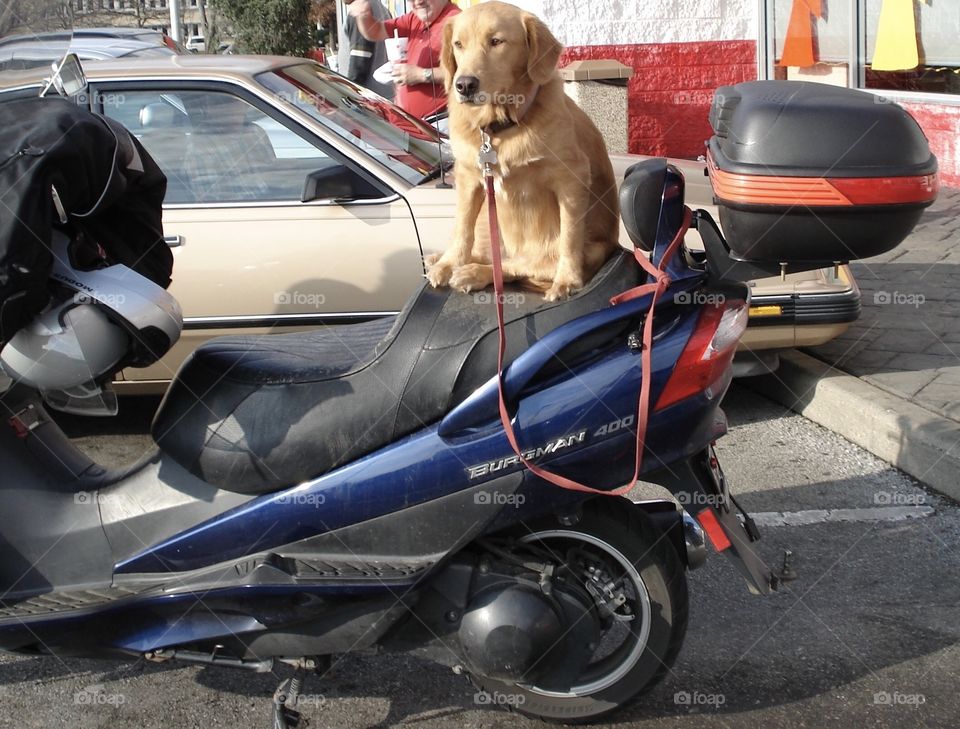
<point x="285" y="698"/>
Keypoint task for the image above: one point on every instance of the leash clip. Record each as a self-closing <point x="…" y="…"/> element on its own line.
<point x="488" y="155"/>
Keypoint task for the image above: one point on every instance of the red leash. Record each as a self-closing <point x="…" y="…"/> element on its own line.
<point x="657" y="287"/>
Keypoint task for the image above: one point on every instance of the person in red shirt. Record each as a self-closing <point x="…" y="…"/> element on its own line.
<point x="419" y="81"/>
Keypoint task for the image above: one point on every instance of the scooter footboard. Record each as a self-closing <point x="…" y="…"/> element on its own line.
<point x="699" y="485"/>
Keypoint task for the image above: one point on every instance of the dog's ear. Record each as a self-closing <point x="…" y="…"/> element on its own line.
<point x="448" y="62"/>
<point x="543" y="47"/>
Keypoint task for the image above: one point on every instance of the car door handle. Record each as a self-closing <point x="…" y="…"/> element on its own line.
<point x="174" y="241"/>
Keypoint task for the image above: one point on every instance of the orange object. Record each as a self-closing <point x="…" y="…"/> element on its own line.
<point x="798" y="47"/>
<point x="820" y="191"/>
<point x="711" y="525"/>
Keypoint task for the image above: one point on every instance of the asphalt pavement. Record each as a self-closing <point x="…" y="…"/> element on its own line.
<point x="891" y="383"/>
<point x="866" y="635"/>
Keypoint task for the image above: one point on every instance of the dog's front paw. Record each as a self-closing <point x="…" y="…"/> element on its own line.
<point x="561" y="290"/>
<point x="439" y="273"/>
<point x="471" y="277"/>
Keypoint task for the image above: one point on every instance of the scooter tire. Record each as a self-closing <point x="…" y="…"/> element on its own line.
<point x="662" y="570"/>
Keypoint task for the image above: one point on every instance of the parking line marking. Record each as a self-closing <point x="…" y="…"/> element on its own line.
<point x="823" y="516"/>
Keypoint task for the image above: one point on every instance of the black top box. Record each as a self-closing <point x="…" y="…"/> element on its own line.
<point x="809" y="172"/>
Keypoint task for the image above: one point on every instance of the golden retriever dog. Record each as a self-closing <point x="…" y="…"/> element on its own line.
<point x="555" y="190"/>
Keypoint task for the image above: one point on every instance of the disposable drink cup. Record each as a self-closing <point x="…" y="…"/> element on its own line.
<point x="396" y="49"/>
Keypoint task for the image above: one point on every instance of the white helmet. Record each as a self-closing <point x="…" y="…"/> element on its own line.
<point x="114" y="317"/>
<point x="65" y="349"/>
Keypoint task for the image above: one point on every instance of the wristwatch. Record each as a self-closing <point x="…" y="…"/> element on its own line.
<point x="428" y="75"/>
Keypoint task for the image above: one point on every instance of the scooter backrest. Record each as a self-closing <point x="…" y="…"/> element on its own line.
<point x="641" y="196"/>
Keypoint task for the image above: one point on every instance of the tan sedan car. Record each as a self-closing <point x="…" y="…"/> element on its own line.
<point x="297" y="199"/>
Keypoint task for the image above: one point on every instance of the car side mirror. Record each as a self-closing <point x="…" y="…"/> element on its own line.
<point x="68" y="79"/>
<point x="338" y="183"/>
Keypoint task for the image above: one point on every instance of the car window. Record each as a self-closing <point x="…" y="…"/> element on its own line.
<point x="215" y="147"/>
<point x="370" y="123"/>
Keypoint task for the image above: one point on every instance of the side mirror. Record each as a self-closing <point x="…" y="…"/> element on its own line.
<point x="68" y="79"/>
<point x="338" y="183"/>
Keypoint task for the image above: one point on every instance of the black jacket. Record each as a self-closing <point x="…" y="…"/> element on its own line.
<point x="109" y="187"/>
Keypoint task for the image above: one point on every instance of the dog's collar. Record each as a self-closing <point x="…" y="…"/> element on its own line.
<point x="501" y="126"/>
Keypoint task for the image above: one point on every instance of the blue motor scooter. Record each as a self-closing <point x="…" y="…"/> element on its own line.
<point x="328" y="492"/>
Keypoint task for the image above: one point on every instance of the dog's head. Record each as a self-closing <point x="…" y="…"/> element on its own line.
<point x="495" y="54"/>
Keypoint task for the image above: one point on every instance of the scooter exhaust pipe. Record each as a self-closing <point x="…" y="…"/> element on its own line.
<point x="674" y="521"/>
<point x="696" y="541"/>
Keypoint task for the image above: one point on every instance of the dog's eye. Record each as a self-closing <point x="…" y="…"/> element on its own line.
<point x="457" y="44"/>
<point x="496" y="41"/>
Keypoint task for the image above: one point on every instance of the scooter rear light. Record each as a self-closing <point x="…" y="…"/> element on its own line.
<point x="708" y="353"/>
<point x="732" y="325"/>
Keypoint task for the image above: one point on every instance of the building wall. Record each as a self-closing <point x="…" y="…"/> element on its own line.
<point x="629" y="22"/>
<point x="941" y="124"/>
<point x="680" y="51"/>
<point x="669" y="96"/>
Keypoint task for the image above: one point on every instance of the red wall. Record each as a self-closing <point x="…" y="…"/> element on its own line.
<point x="941" y="124"/>
<point x="670" y="93"/>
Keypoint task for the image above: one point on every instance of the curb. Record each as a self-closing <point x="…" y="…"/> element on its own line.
<point x="921" y="443"/>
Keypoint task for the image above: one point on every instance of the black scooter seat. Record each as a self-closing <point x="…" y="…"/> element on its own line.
<point x="257" y="414"/>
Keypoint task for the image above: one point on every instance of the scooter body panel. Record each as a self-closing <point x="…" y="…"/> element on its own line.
<point x="50" y="539"/>
<point x="367" y="569"/>
<point x="600" y="399"/>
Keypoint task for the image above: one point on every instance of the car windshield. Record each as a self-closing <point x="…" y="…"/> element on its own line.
<point x="399" y="141"/>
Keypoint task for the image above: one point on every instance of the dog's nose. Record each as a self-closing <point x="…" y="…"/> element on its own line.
<point x="467" y="86"/>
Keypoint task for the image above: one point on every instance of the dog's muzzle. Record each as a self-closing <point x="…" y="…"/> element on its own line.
<point x="467" y="87"/>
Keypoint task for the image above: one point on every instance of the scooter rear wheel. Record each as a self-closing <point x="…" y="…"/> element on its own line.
<point x="633" y="656"/>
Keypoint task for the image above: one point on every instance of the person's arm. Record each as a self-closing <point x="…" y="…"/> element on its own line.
<point x="437" y="77"/>
<point x="361" y="53"/>
<point x="407" y="73"/>
<point x="368" y="24"/>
